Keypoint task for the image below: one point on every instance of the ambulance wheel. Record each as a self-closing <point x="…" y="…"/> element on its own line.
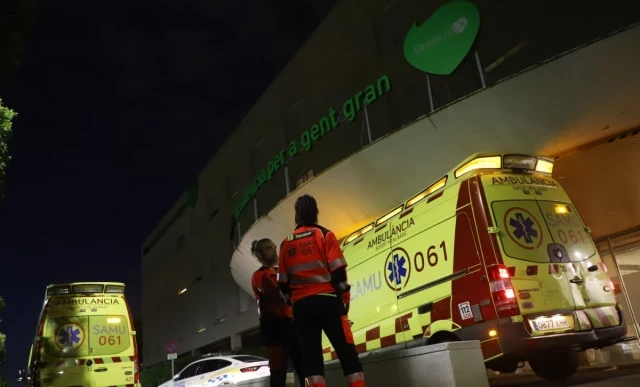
<point x="442" y="337"/>
<point x="505" y="366"/>
<point x="557" y="364"/>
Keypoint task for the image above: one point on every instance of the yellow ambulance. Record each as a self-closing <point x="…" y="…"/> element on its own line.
<point x="492" y="251"/>
<point x="84" y="337"/>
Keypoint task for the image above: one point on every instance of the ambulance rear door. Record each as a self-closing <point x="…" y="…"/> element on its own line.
<point x="542" y="288"/>
<point x="65" y="339"/>
<point x="578" y="258"/>
<point x="112" y="348"/>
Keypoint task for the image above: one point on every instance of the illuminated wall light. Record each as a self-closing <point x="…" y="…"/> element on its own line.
<point x="182" y="291"/>
<point x="544" y="166"/>
<point x="493" y="333"/>
<point x="493" y="162"/>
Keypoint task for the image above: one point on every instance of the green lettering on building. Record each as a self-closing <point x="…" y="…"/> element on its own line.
<point x="439" y="45"/>
<point x="322" y="127"/>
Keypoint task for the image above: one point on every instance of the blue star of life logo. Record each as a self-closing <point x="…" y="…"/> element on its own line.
<point x="523" y="228"/>
<point x="396" y="269"/>
<point x="69" y="336"/>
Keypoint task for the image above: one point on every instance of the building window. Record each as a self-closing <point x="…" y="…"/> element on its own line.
<point x="308" y="175"/>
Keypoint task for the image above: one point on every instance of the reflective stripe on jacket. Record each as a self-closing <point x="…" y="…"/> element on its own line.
<point x="307" y="259"/>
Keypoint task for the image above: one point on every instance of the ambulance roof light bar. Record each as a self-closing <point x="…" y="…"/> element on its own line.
<point x="527" y="163"/>
<point x="85" y="288"/>
<point x="88" y="288"/>
<point x="114" y="289"/>
<point x="59" y="290"/>
<point x="544" y="166"/>
<point x="505" y="161"/>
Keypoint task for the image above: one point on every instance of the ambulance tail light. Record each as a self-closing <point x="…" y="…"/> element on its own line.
<point x="504" y="297"/>
<point x="249" y="369"/>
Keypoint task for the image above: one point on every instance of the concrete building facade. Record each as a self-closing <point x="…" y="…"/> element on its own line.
<point x="352" y="122"/>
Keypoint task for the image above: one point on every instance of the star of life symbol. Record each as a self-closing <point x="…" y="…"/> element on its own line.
<point x="69" y="336"/>
<point x="523" y="228"/>
<point x="396" y="269"/>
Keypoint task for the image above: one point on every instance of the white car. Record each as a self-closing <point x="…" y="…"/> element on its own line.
<point x="220" y="370"/>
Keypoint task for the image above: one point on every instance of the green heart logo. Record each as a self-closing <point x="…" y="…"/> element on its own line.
<point x="439" y="45"/>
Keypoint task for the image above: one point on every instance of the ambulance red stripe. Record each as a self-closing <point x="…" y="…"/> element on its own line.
<point x="373" y="334"/>
<point x="388" y="341"/>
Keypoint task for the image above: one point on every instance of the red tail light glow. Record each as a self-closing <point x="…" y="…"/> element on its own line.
<point x="250" y="369"/>
<point x="510" y="293"/>
<point x="504" y="297"/>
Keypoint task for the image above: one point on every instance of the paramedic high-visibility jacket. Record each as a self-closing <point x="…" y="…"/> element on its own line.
<point x="271" y="302"/>
<point x="311" y="262"/>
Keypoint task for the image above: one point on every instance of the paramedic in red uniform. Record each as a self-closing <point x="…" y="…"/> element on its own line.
<point x="276" y="327"/>
<point x="313" y="273"/>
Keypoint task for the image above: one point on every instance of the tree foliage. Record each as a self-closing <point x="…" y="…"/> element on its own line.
<point x="6" y="121"/>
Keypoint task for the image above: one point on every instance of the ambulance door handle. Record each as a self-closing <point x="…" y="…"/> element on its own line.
<point x="103" y="369"/>
<point x="576" y="281"/>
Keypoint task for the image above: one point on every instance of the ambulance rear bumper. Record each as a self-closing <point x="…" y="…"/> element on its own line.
<point x="515" y="341"/>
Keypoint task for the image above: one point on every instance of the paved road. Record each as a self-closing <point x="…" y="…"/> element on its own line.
<point x="621" y="377"/>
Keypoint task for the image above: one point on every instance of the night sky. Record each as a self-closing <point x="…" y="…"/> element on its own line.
<point x="121" y="104"/>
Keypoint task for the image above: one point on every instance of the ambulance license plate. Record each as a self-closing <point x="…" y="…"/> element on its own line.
<point x="543" y="324"/>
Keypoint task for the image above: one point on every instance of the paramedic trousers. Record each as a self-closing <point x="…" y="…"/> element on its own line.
<point x="314" y="314"/>
<point x="282" y="342"/>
